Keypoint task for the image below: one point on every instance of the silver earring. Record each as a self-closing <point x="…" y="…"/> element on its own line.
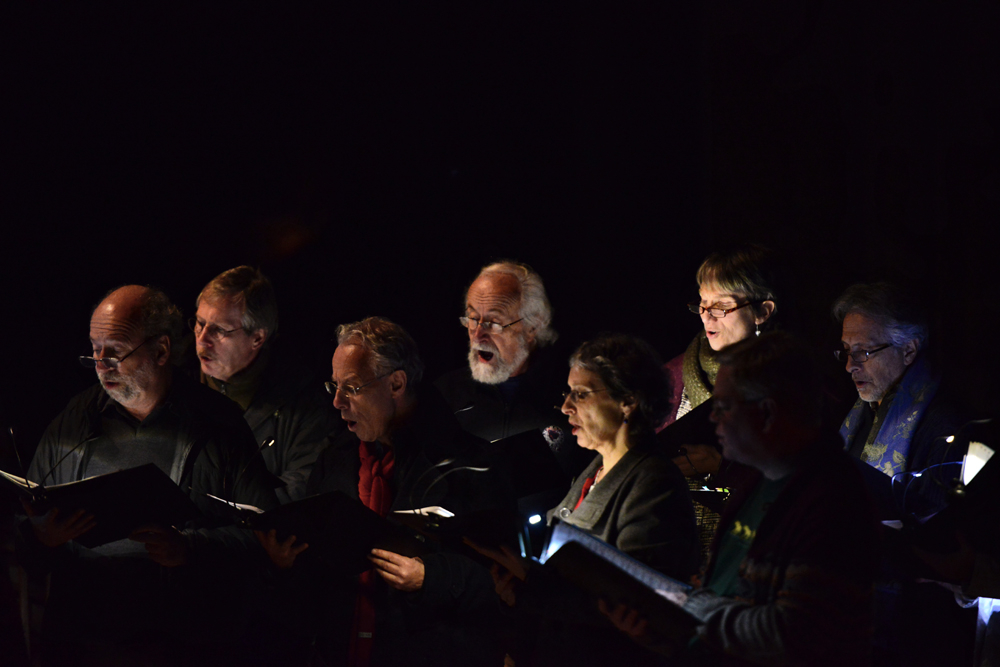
<point x="757" y="327"/>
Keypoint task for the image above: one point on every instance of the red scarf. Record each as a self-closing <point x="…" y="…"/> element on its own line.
<point x="587" y="485"/>
<point x="373" y="489"/>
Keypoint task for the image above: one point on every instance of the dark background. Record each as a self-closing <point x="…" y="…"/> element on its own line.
<point x="370" y="160"/>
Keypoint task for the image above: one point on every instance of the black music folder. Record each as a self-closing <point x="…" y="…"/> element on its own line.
<point x="120" y="501"/>
<point x="493" y="528"/>
<point x="694" y="428"/>
<point x="606" y="573"/>
<point x="339" y="529"/>
<point x="972" y="497"/>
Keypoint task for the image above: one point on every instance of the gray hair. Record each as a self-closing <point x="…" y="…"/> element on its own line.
<point x="248" y="287"/>
<point x="535" y="307"/>
<point x="390" y="347"/>
<point x="900" y="315"/>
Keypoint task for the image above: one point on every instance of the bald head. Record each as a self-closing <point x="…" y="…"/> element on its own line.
<point x="120" y="314"/>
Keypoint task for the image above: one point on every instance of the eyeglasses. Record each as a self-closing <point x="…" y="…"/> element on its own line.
<point x="111" y="362"/>
<point x="859" y="356"/>
<point x="350" y="390"/>
<point x="213" y="331"/>
<point x="471" y="323"/>
<point x="579" y="396"/>
<point x="715" y="311"/>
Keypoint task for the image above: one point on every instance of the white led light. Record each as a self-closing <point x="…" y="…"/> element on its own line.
<point x="950" y="439"/>
<point x="534" y="518"/>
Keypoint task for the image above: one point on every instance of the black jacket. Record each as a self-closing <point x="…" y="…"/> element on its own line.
<point x="454" y="617"/>
<point x="291" y="407"/>
<point x="483" y="410"/>
<point x="118" y="599"/>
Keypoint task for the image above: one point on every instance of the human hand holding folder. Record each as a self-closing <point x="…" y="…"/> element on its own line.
<point x="282" y="554"/>
<point x="165" y="545"/>
<point x="53" y="530"/>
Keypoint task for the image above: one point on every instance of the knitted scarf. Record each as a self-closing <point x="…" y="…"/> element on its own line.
<point x="699" y="371"/>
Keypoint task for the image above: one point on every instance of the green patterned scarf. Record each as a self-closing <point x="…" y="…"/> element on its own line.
<point x="699" y="370"/>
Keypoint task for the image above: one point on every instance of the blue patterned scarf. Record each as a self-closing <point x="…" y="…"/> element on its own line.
<point x="889" y="449"/>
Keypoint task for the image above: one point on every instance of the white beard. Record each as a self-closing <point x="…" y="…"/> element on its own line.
<point x="130" y="387"/>
<point x="497" y="370"/>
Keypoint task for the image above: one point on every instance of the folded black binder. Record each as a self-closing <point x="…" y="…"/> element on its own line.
<point x="339" y="529"/>
<point x="694" y="428"/>
<point x="120" y="501"/>
<point x="972" y="499"/>
<point x="491" y="528"/>
<point x="606" y="573"/>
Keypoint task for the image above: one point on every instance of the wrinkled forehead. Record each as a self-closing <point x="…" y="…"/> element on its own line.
<point x="495" y="292"/>
<point x="860" y="329"/>
<point x="115" y="322"/>
<point x="350" y="362"/>
<point x="221" y="309"/>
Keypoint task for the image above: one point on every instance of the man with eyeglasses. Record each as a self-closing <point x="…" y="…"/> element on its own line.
<point x="514" y="374"/>
<point x="405" y="451"/>
<point x="513" y="379"/>
<point x="901" y="419"/>
<point x="235" y="330"/>
<point x="900" y="423"/>
<point x="159" y="588"/>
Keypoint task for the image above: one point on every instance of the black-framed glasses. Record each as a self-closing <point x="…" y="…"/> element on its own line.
<point x="471" y="323"/>
<point x="351" y="390"/>
<point x="111" y="362"/>
<point x="213" y="331"/>
<point x="578" y="396"/>
<point x="715" y="311"/>
<point x="859" y="356"/>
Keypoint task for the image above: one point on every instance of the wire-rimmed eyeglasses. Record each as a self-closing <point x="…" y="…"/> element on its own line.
<point x="578" y="396"/>
<point x="471" y="323"/>
<point x="111" y="362"/>
<point x="350" y="390"/>
<point x="213" y="331"/>
<point x="859" y="356"/>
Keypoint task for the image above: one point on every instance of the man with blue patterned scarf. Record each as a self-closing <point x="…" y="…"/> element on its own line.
<point x="900" y="424"/>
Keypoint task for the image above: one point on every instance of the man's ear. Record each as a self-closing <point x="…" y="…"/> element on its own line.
<point x="764" y="311"/>
<point x="769" y="413"/>
<point x="529" y="337"/>
<point x="397" y="383"/>
<point x="161" y="353"/>
<point x="910" y="350"/>
<point x="258" y="338"/>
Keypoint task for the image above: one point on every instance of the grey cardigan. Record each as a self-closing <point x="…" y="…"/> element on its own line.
<point x="642" y="507"/>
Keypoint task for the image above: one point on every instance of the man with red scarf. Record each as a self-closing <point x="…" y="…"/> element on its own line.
<point x="438" y="609"/>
